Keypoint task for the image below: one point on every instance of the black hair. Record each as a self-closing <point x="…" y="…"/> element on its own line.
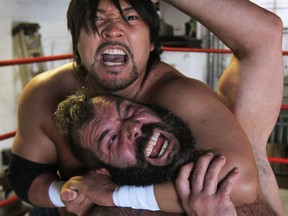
<point x="82" y="12"/>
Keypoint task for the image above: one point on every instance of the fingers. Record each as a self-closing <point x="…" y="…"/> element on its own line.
<point x="225" y="187"/>
<point x="68" y="195"/>
<point x="199" y="172"/>
<point x="74" y="186"/>
<point x="199" y="189"/>
<point x="205" y="175"/>
<point x="183" y="182"/>
<point x="76" y="183"/>
<point x="76" y="178"/>
<point x="69" y="190"/>
<point x="212" y="174"/>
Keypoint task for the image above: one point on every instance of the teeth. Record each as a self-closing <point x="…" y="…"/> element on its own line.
<point x="118" y="52"/>
<point x="155" y="137"/>
<point x="113" y="63"/>
<point x="153" y="142"/>
<point x="163" y="148"/>
<point x="114" y="52"/>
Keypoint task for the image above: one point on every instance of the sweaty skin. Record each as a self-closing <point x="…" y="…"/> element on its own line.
<point x="215" y="127"/>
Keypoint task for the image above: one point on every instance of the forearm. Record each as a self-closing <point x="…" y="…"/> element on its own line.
<point x="38" y="192"/>
<point x="167" y="198"/>
<point x="31" y="180"/>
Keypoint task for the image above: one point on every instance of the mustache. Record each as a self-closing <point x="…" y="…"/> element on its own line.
<point x="114" y="43"/>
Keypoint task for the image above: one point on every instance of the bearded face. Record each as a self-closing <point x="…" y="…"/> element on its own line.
<point x="137" y="144"/>
<point x="145" y="173"/>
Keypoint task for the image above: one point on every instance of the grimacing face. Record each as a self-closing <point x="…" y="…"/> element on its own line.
<point x="117" y="55"/>
<point x="134" y="143"/>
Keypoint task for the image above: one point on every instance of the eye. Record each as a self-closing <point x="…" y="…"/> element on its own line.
<point x="111" y="141"/>
<point x="131" y="18"/>
<point x="98" y="20"/>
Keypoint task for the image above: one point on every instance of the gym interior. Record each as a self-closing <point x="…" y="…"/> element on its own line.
<point x="34" y="38"/>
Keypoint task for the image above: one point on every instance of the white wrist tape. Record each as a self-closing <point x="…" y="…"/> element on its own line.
<point x="136" y="197"/>
<point x="54" y="193"/>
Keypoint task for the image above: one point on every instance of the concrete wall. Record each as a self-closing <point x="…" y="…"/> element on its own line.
<point x="51" y="16"/>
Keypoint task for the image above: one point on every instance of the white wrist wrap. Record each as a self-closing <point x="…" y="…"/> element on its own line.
<point x="54" y="193"/>
<point x="136" y="197"/>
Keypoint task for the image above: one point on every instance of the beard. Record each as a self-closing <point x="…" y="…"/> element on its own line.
<point x="114" y="85"/>
<point x="144" y="173"/>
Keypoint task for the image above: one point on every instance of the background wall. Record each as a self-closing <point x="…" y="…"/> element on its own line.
<point x="51" y="16"/>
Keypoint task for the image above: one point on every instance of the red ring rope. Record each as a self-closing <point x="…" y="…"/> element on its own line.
<point x="284" y="107"/>
<point x="8" y="201"/>
<point x="278" y="160"/>
<point x="69" y="56"/>
<point x="35" y="59"/>
<point x="206" y="50"/>
<point x="7" y="135"/>
<point x="195" y="50"/>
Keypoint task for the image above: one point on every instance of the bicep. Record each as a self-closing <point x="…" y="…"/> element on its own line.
<point x="31" y="140"/>
<point x="253" y="89"/>
<point x="216" y="129"/>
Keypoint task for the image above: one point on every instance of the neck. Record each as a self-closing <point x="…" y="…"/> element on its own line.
<point x="132" y="92"/>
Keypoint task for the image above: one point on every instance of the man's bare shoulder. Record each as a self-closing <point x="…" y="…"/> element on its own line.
<point x="52" y="85"/>
<point x="37" y="104"/>
<point x="41" y="95"/>
<point x="169" y="83"/>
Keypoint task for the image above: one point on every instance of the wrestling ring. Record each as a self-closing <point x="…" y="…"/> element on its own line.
<point x="9" y="135"/>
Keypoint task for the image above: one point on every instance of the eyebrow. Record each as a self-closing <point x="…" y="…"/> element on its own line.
<point x="128" y="9"/>
<point x="124" y="10"/>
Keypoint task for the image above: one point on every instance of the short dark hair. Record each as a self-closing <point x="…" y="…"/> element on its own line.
<point x="82" y="12"/>
<point x="70" y="116"/>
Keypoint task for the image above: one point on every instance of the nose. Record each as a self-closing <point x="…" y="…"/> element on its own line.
<point x="133" y="129"/>
<point x="113" y="29"/>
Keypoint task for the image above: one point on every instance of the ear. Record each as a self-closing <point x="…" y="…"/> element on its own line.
<point x="103" y="171"/>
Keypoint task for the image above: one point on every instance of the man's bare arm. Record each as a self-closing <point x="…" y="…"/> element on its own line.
<point x="236" y="23"/>
<point x="33" y="144"/>
<point x="252" y="85"/>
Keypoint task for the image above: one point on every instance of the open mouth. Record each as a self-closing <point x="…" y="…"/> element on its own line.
<point x="156" y="146"/>
<point x="114" y="57"/>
